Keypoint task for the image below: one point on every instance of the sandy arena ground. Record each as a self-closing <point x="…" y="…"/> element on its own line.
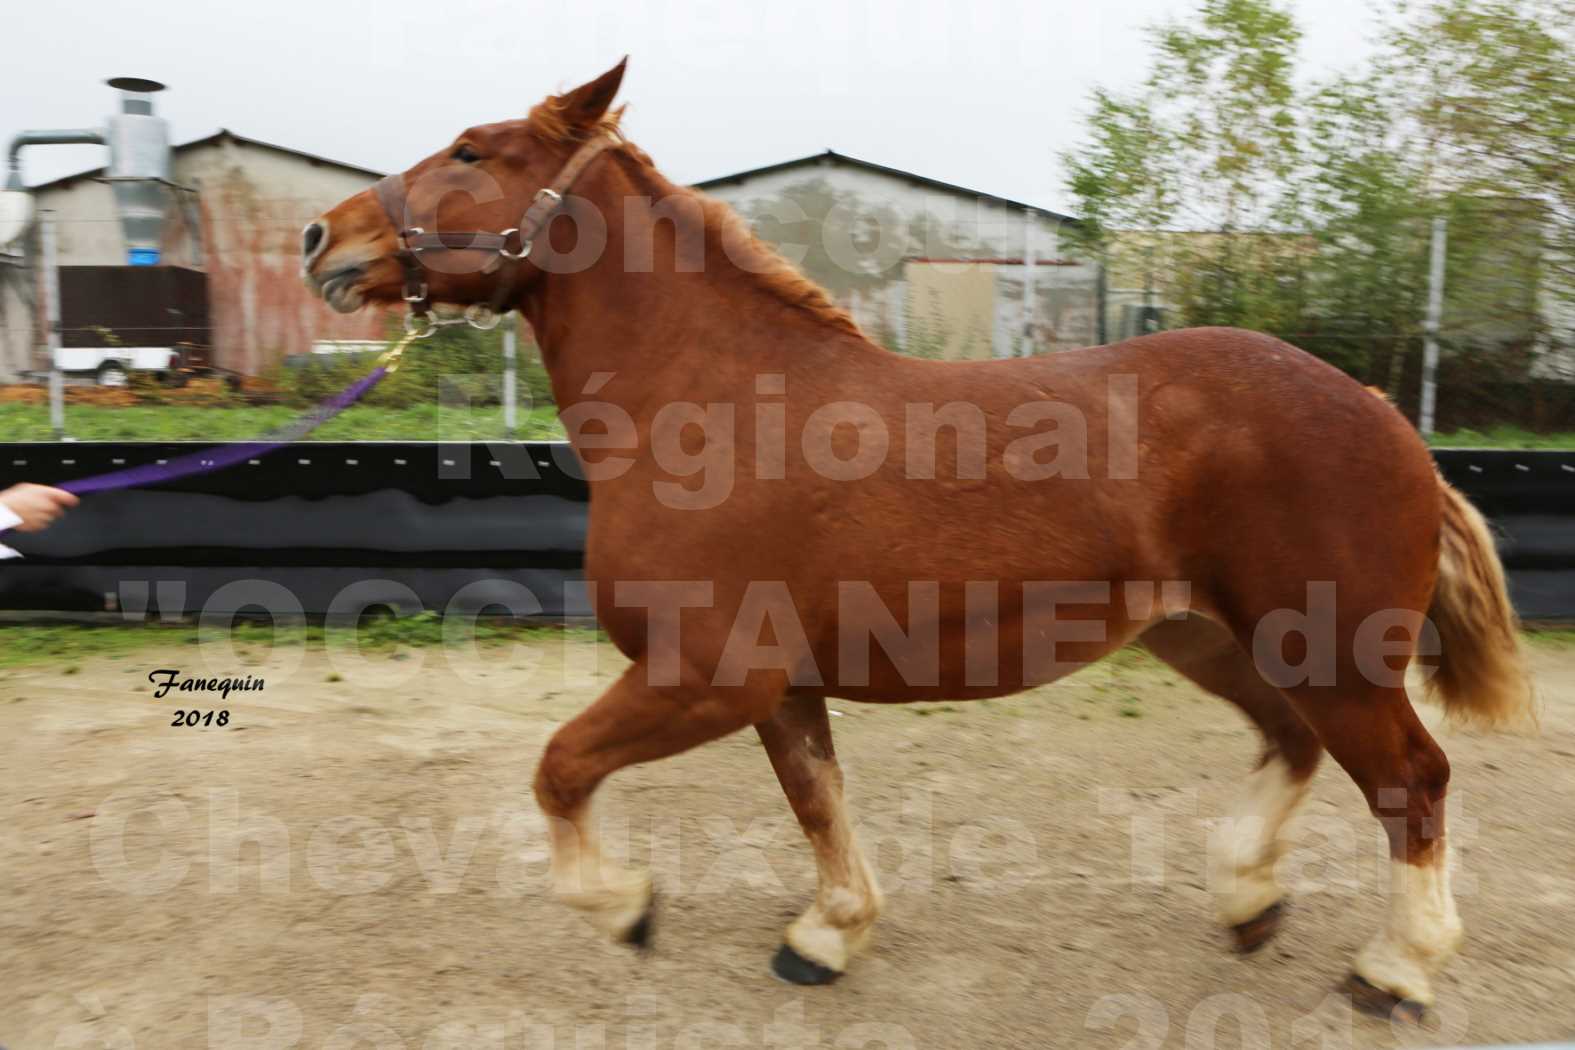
<point x="355" y="862"/>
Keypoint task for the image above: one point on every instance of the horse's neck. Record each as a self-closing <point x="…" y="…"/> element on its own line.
<point x="640" y="339"/>
<point x="646" y="338"/>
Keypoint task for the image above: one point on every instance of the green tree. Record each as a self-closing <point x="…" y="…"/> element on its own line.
<point x="1489" y="87"/>
<point x="1307" y="213"/>
<point x="1208" y="143"/>
<point x="1465" y="113"/>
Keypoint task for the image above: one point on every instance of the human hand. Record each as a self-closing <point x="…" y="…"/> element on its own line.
<point x="37" y="505"/>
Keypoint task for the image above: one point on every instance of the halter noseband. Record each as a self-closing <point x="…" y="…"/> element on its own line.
<point x="413" y="240"/>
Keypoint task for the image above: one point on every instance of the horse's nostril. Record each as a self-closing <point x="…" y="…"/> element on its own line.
<point x="312" y="239"/>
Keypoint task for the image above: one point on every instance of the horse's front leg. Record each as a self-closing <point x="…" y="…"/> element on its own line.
<point x="798" y="740"/>
<point x="632" y="722"/>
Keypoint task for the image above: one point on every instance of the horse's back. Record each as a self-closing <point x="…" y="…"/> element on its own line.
<point x="1208" y="448"/>
<point x="1271" y="457"/>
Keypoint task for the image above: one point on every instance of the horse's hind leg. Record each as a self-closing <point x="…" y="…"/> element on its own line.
<point x="632" y="722"/>
<point x="798" y="741"/>
<point x="1374" y="734"/>
<point x="1243" y="852"/>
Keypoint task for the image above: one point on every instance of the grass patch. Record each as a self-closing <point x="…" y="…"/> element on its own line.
<point x="1552" y="637"/>
<point x="426" y="422"/>
<point x="69" y="644"/>
<point x="429" y="421"/>
<point x="1503" y="437"/>
<point x="427" y="628"/>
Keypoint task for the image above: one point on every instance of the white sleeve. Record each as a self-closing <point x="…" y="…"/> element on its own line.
<point x="8" y="520"/>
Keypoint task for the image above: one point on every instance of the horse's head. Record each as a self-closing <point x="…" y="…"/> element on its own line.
<point x="452" y="228"/>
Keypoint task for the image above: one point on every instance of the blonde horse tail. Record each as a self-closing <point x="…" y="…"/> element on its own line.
<point x="1480" y="672"/>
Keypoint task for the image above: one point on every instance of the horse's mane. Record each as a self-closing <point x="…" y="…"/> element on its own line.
<point x="766" y="266"/>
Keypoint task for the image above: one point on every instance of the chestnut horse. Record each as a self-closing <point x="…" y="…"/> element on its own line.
<point x="1246" y="511"/>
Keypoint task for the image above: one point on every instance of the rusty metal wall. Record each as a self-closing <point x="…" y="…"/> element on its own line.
<point x="254" y="203"/>
<point x="251" y="202"/>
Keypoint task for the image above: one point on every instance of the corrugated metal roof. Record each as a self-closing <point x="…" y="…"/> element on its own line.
<point x="217" y="136"/>
<point x="831" y="156"/>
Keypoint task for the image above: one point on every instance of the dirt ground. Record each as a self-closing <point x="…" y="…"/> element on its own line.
<point x="354" y="861"/>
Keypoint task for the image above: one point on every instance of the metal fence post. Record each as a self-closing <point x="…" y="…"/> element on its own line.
<point x="57" y="401"/>
<point x="510" y="339"/>
<point x="1435" y="308"/>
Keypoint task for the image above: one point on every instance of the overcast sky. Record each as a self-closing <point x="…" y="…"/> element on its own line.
<point x="984" y="94"/>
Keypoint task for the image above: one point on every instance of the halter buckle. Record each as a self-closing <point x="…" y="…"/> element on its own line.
<point x="418" y="294"/>
<point x="503" y="249"/>
<point x="482" y="316"/>
<point x="405" y="235"/>
<point x="414" y="323"/>
<point x="549" y="193"/>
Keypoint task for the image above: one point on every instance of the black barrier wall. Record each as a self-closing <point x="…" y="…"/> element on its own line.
<point x="331" y="527"/>
<point x="1530" y="498"/>
<point x="492" y="526"/>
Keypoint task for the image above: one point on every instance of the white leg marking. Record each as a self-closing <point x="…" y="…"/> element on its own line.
<point x="839" y="923"/>
<point x="1244" y="848"/>
<point x="612" y="897"/>
<point x="848" y="900"/>
<point x="1422" y="933"/>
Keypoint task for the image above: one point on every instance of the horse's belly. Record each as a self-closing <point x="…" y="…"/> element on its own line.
<point x="1002" y="644"/>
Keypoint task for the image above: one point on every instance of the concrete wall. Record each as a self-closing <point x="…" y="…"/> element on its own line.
<point x="17" y="322"/>
<point x="251" y="202"/>
<point x="924" y="270"/>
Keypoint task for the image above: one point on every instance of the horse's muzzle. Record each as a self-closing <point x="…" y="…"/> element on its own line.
<point x="340" y="288"/>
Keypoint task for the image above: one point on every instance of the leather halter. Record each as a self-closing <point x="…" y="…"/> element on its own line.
<point x="413" y="240"/>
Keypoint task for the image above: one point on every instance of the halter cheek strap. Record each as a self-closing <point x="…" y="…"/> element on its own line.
<point x="511" y="246"/>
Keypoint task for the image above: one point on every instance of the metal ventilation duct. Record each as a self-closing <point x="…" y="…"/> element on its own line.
<point x="139" y="168"/>
<point x="139" y="164"/>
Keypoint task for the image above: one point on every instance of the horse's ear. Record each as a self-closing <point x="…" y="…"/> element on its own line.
<point x="585" y="106"/>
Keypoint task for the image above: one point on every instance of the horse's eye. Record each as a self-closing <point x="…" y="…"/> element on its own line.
<point x="466" y="155"/>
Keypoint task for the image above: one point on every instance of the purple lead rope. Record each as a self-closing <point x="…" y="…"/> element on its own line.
<point x="209" y="460"/>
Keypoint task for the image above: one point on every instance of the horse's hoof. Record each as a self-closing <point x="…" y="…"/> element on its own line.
<point x="1253" y="934"/>
<point x="795" y="969"/>
<point x="638" y="936"/>
<point x="1371" y="999"/>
